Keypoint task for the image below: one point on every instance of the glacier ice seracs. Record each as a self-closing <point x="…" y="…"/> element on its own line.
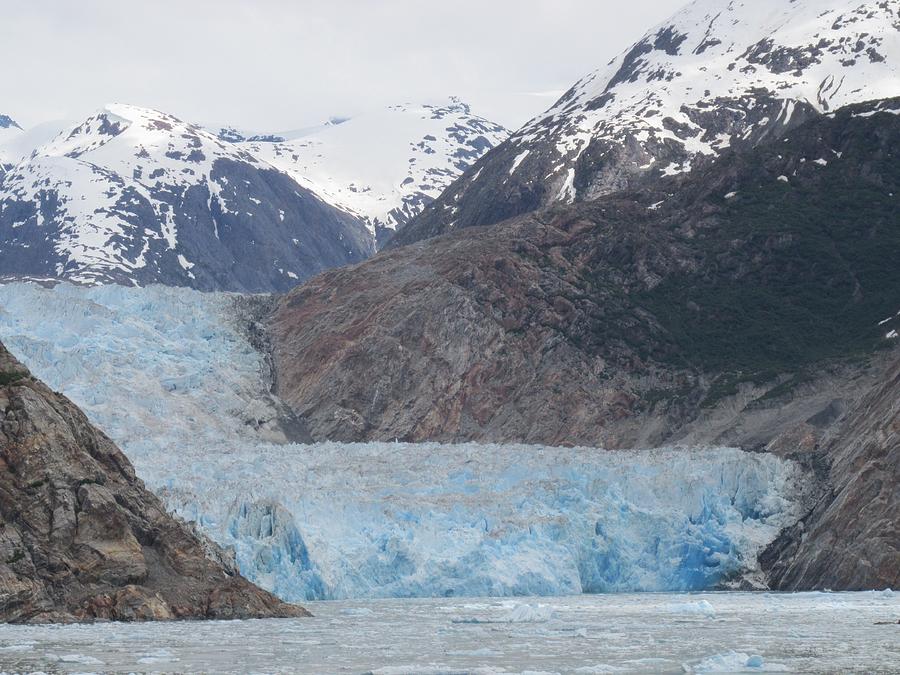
<point x="170" y="376"/>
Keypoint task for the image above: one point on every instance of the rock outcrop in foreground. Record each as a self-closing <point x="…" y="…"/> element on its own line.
<point x="82" y="539"/>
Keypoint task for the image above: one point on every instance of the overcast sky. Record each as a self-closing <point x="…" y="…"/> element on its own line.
<point x="280" y="64"/>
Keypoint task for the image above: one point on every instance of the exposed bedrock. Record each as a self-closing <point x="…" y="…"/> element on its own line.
<point x="80" y="536"/>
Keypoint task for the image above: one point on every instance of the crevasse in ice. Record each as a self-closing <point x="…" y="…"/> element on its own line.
<point x="169" y="376"/>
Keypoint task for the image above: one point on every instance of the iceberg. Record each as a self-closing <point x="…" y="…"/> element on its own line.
<point x="172" y="377"/>
<point x="735" y="662"/>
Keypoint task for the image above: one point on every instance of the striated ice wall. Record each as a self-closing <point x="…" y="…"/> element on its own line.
<point x="166" y="373"/>
<point x="385" y="520"/>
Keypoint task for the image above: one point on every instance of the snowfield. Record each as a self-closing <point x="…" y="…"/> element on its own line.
<point x="386" y="165"/>
<point x="169" y="375"/>
<point x="10" y="131"/>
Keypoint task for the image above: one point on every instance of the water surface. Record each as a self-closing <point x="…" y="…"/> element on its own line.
<point x="633" y="633"/>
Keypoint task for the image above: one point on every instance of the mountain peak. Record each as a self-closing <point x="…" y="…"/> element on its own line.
<point x="7" y="122"/>
<point x="719" y="74"/>
<point x="386" y="165"/>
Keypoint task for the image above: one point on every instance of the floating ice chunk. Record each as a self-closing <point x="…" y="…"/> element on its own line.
<point x="700" y="608"/>
<point x="21" y="647"/>
<point x="158" y="656"/>
<point x="484" y="651"/>
<point x="527" y="613"/>
<point x="735" y="662"/>
<point x="519" y="613"/>
<point x="81" y="659"/>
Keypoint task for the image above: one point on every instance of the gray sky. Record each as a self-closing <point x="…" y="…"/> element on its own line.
<point x="278" y="65"/>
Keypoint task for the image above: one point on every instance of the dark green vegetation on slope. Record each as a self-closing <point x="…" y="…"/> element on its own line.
<point x="798" y="271"/>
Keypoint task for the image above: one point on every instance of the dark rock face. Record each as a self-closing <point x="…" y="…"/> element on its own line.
<point x="273" y="235"/>
<point x="80" y="536"/>
<point x="851" y="539"/>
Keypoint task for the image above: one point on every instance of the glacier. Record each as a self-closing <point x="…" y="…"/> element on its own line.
<point x="171" y="376"/>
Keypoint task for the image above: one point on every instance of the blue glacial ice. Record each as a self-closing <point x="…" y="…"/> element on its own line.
<point x="169" y="375"/>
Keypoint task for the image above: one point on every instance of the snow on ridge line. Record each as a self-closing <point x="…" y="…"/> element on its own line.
<point x="726" y="56"/>
<point x="170" y="376"/>
<point x="383" y="166"/>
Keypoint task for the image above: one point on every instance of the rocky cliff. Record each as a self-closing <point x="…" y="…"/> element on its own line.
<point x="851" y="539"/>
<point x="80" y="536"/>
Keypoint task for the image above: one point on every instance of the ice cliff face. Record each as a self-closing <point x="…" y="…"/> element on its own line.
<point x="399" y="520"/>
<point x="170" y="375"/>
<point x="718" y="75"/>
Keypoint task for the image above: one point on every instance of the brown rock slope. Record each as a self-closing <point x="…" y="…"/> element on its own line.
<point x="851" y="539"/>
<point x="80" y="536"/>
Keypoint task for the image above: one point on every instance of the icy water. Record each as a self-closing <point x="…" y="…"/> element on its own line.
<point x="633" y="633"/>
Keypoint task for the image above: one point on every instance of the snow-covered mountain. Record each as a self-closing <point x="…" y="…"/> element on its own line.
<point x="8" y="127"/>
<point x="18" y="144"/>
<point x="384" y="166"/>
<point x="137" y="196"/>
<point x="719" y="74"/>
<point x="9" y="131"/>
